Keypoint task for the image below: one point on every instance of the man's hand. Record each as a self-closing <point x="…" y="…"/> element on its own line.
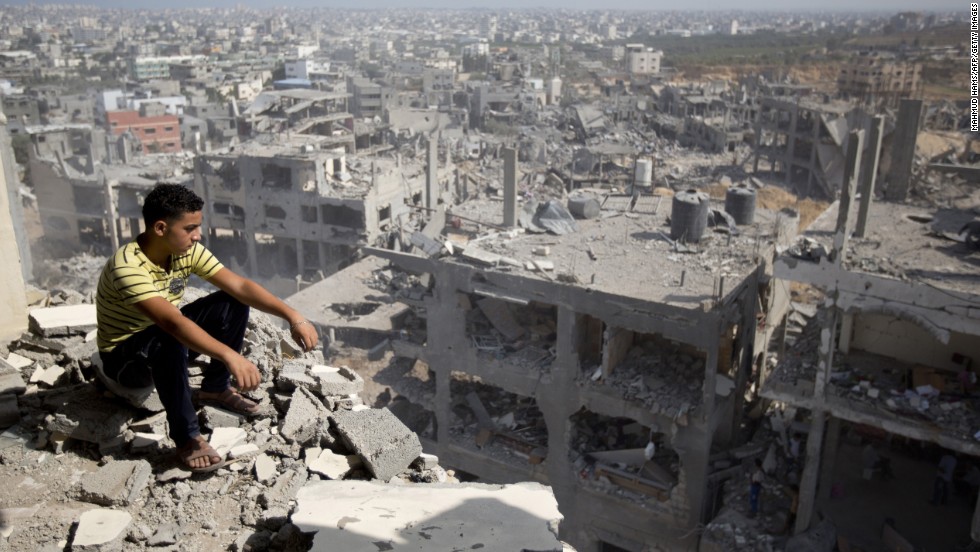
<point x="246" y="374"/>
<point x="304" y="334"/>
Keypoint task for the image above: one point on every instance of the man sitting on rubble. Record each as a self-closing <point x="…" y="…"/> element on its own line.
<point x="144" y="339"/>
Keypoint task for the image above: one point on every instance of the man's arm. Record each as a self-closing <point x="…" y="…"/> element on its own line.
<point x="254" y="295"/>
<point x="169" y="319"/>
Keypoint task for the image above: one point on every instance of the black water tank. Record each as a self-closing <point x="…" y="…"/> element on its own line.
<point x="740" y="204"/>
<point x="689" y="216"/>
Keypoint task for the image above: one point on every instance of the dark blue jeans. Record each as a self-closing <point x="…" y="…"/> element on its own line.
<point x="154" y="357"/>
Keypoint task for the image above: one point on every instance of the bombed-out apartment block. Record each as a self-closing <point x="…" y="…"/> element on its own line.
<point x="301" y="111"/>
<point x="886" y="363"/>
<point x="804" y="140"/>
<point x="611" y="362"/>
<point x="303" y="206"/>
<point x="85" y="204"/>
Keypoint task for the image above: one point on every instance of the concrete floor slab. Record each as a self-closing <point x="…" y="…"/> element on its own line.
<point x="361" y="515"/>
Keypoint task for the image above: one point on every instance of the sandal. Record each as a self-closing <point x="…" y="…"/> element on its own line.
<point x="196" y="448"/>
<point x="232" y="400"/>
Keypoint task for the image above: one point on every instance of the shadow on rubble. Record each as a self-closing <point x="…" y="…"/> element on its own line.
<point x="383" y="524"/>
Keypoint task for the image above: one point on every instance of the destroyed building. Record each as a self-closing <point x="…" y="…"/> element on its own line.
<point x="559" y="358"/>
<point x="294" y="211"/>
<point x="877" y="81"/>
<point x="91" y="470"/>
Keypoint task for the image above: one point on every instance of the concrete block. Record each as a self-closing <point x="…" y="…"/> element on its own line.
<point x="304" y="416"/>
<point x="117" y="483"/>
<point x="223" y="439"/>
<point x="101" y="530"/>
<point x="454" y="517"/>
<point x="292" y="381"/>
<point x="265" y="468"/>
<point x="333" y="466"/>
<point x="426" y="461"/>
<point x="9" y="412"/>
<point x="212" y="417"/>
<point x="58" y="321"/>
<point x="337" y="381"/>
<point x="383" y="442"/>
<point x="12" y="382"/>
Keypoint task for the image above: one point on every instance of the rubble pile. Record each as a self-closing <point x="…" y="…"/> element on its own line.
<point x="523" y="336"/>
<point x="93" y="472"/>
<point x="505" y="426"/>
<point x="666" y="382"/>
<point x="864" y="380"/>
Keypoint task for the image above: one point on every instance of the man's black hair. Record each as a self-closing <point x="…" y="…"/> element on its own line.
<point x="169" y="202"/>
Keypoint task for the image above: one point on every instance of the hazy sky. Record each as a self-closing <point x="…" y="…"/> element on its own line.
<point x="782" y="5"/>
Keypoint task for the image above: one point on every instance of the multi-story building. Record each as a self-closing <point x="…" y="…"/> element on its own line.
<point x="21" y="111"/>
<point x="557" y="359"/>
<point x="149" y="68"/>
<point x="156" y="131"/>
<point x="876" y="81"/>
<point x="641" y="60"/>
<point x="299" y="208"/>
<point x="369" y="99"/>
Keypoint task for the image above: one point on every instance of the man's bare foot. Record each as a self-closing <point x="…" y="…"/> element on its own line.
<point x="229" y="399"/>
<point x="198" y="455"/>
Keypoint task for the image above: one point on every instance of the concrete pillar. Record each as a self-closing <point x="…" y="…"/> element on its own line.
<point x="903" y="150"/>
<point x="110" y="209"/>
<point x="510" y="187"/>
<point x="830" y="444"/>
<point x="811" y="470"/>
<point x="13" y="293"/>
<point x="432" y="175"/>
<point x="870" y="163"/>
<point x="852" y="167"/>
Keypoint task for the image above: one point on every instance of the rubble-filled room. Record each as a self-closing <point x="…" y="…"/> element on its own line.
<point x="520" y="333"/>
<point x="622" y="457"/>
<point x="505" y="427"/>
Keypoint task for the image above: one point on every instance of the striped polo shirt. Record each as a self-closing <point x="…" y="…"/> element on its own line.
<point x="129" y="277"/>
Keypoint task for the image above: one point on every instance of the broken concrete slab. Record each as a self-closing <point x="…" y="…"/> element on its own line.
<point x="117" y="483"/>
<point x="382" y="441"/>
<point x="501" y="318"/>
<point x="212" y="417"/>
<point x="62" y="321"/>
<point x="244" y="450"/>
<point x="165" y="535"/>
<point x="143" y="440"/>
<point x="337" y="380"/>
<point x="265" y="468"/>
<point x="303" y="417"/>
<point x="82" y="413"/>
<point x="223" y="439"/>
<point x="101" y="530"/>
<point x="18" y="362"/>
<point x="49" y="376"/>
<point x="373" y="516"/>
<point x="12" y="382"/>
<point x="331" y="465"/>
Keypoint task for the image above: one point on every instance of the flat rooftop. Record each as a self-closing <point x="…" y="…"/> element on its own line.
<point x="908" y="243"/>
<point x="629" y="253"/>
